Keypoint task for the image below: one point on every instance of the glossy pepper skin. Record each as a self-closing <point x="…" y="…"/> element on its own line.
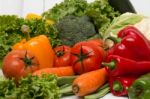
<point x="132" y="45"/>
<point x="119" y="85"/>
<point x="140" y="89"/>
<point x="40" y="47"/>
<point x="120" y="66"/>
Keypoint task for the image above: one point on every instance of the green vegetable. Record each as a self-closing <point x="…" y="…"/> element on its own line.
<point x="101" y="14"/>
<point x="99" y="11"/>
<point x="65" y="80"/>
<point x="101" y="92"/>
<point x="65" y="84"/>
<point x="140" y="89"/>
<point x="38" y="27"/>
<point x="66" y="90"/>
<point x="121" y="22"/>
<point x="67" y="7"/>
<point x="31" y="87"/>
<point x="73" y="29"/>
<point x="10" y="32"/>
<point x="7" y="89"/>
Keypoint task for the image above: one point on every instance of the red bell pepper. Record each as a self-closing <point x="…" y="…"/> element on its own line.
<point x="119" y="85"/>
<point x="119" y="66"/>
<point x="133" y="45"/>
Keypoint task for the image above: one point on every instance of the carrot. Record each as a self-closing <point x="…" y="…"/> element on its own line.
<point x="89" y="82"/>
<point x="58" y="71"/>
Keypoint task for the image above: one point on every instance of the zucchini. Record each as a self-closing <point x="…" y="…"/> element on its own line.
<point x="122" y="6"/>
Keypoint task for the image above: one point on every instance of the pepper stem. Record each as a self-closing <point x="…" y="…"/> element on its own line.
<point x="26" y="30"/>
<point x="138" y="90"/>
<point x="110" y="65"/>
<point x="115" y="39"/>
<point x="117" y="86"/>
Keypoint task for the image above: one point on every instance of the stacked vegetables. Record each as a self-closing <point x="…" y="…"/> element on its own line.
<point x="127" y="60"/>
<point x="77" y="68"/>
<point x="36" y="56"/>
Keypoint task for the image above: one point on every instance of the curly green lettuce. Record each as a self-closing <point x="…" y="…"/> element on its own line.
<point x="100" y="12"/>
<point x="10" y="32"/>
<point x="30" y="87"/>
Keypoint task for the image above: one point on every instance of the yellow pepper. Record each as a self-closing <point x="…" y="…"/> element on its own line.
<point x="40" y="46"/>
<point x="33" y="16"/>
<point x="50" y="22"/>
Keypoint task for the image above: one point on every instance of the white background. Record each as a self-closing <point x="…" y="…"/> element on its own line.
<point x="22" y="7"/>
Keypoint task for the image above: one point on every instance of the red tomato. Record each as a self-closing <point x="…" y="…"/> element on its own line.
<point x="62" y="56"/>
<point x="100" y="44"/>
<point x="19" y="63"/>
<point x="97" y="42"/>
<point x="86" y="57"/>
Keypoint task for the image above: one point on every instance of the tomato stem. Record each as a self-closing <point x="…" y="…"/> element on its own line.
<point x="27" y="61"/>
<point x="81" y="57"/>
<point x="60" y="52"/>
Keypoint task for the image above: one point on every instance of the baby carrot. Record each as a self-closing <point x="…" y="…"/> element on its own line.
<point x="89" y="82"/>
<point x="58" y="71"/>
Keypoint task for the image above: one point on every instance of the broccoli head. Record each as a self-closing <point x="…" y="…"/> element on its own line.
<point x="73" y="29"/>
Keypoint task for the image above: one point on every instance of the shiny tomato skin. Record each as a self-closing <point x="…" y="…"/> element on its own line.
<point x="15" y="67"/>
<point x="91" y="62"/>
<point x="97" y="42"/>
<point x="62" y="56"/>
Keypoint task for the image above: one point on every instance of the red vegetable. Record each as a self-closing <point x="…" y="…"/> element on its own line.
<point x="62" y="56"/>
<point x="132" y="45"/>
<point x="86" y="57"/>
<point x="118" y="66"/>
<point x="119" y="85"/>
<point x="97" y="42"/>
<point x="19" y="63"/>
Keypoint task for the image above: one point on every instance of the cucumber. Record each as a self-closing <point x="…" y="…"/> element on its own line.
<point x="122" y="6"/>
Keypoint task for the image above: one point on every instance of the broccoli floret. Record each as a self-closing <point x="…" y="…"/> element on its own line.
<point x="73" y="29"/>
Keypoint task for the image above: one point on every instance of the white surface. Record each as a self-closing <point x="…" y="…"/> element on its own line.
<point x="108" y="96"/>
<point x="22" y="7"/>
<point x="142" y="6"/>
<point x="11" y="7"/>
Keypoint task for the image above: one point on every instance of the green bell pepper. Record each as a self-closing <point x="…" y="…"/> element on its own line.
<point x="140" y="89"/>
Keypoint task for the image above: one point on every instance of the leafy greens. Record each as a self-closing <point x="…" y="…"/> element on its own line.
<point x="99" y="11"/>
<point x="10" y="31"/>
<point x="30" y="87"/>
<point x="121" y="22"/>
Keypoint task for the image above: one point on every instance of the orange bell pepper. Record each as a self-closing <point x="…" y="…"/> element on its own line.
<point x="40" y="47"/>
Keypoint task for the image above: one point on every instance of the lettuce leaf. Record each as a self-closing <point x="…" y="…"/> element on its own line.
<point x="121" y="22"/>
<point x="30" y="87"/>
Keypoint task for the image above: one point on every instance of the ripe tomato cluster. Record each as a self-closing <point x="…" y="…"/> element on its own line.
<point x="84" y="56"/>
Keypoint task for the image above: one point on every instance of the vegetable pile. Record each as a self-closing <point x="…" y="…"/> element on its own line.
<point x="11" y="33"/>
<point x="75" y="48"/>
<point x="86" y="20"/>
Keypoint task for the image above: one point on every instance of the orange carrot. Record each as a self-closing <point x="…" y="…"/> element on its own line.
<point x="89" y="82"/>
<point x="58" y="71"/>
